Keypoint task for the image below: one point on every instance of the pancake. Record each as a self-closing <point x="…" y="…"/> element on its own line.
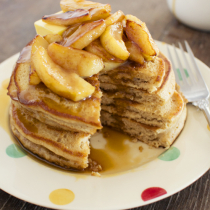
<point x="147" y="77"/>
<point x="153" y="136"/>
<point x="65" y="148"/>
<point x="159" y="116"/>
<point x="160" y="97"/>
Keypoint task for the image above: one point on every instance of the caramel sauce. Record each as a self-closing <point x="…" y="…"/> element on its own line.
<point x="115" y="152"/>
<point x="30" y="126"/>
<point x="102" y="158"/>
<point x="5" y="83"/>
<point x="4" y="106"/>
<point x="62" y="108"/>
<point x="77" y="109"/>
<point x="40" y="93"/>
<point x="121" y="105"/>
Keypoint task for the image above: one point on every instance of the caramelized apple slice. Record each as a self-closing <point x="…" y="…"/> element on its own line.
<point x="111" y="65"/>
<point x="112" y="41"/>
<point x="135" y="52"/>
<point x="110" y="61"/>
<point x="85" y="34"/>
<point x="114" y="18"/>
<point x="68" y="18"/>
<point x="133" y="18"/>
<point x="60" y="81"/>
<point x="96" y="48"/>
<point x="100" y="12"/>
<point x="50" y="38"/>
<point x="137" y="32"/>
<point x="79" y="61"/>
<point x="71" y="5"/>
<point x="33" y="77"/>
<point x="37" y="42"/>
<point x="70" y="30"/>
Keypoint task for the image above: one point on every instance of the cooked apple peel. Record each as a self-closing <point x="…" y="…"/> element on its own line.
<point x="68" y="18"/>
<point x="135" y="52"/>
<point x="71" y="5"/>
<point x="137" y="32"/>
<point x="101" y="12"/>
<point x="70" y="30"/>
<point x="112" y="41"/>
<point x="85" y="34"/>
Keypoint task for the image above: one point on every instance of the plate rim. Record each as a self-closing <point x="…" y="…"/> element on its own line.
<point x="143" y="203"/>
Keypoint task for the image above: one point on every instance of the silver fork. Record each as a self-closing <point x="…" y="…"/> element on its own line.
<point x="191" y="82"/>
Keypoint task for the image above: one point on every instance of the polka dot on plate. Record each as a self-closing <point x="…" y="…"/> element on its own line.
<point x="152" y="192"/>
<point x="172" y="154"/>
<point x="15" y="151"/>
<point x="61" y="196"/>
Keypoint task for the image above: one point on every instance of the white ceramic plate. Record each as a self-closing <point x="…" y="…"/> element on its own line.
<point x="31" y="181"/>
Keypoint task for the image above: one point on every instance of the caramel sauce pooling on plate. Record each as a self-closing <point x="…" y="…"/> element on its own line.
<point x="4" y="106"/>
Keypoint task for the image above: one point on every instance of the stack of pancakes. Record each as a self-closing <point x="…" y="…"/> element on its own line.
<point x="51" y="126"/>
<point x="141" y="100"/>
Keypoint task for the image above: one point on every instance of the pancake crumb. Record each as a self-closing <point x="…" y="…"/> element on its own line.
<point x="94" y="166"/>
<point x="134" y="140"/>
<point x="95" y="174"/>
<point x="141" y="148"/>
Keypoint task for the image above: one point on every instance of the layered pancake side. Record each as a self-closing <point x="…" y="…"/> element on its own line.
<point x="65" y="148"/>
<point x="160" y="96"/>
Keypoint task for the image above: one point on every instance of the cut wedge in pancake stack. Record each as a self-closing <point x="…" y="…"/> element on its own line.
<point x="139" y="97"/>
<point x="55" y="91"/>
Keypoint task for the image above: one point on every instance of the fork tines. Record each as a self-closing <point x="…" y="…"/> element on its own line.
<point x="193" y="88"/>
<point x="185" y="77"/>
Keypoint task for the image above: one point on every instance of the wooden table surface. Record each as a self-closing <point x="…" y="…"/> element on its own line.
<point x="16" y="30"/>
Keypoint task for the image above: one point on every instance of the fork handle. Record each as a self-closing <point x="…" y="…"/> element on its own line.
<point x="204" y="106"/>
